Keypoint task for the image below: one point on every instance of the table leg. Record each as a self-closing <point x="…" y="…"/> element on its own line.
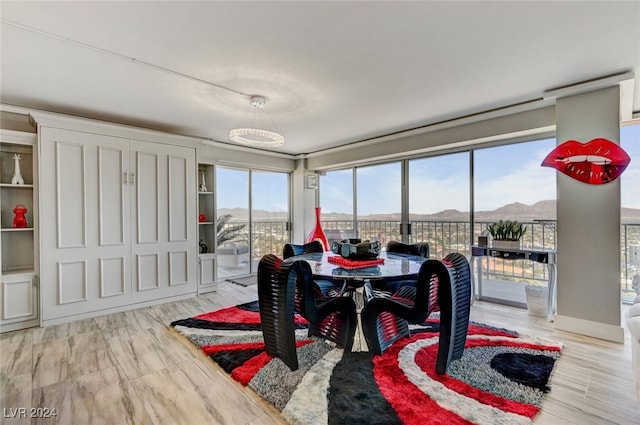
<point x="552" y="296"/>
<point x="360" y="297"/>
<point x="476" y="284"/>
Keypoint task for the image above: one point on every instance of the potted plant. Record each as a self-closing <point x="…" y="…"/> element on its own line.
<point x="225" y="232"/>
<point x="506" y="234"/>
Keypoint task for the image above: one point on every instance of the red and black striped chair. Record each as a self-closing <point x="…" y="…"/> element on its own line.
<point x="387" y="287"/>
<point x="329" y="287"/>
<point x="385" y="320"/>
<point x="420" y="249"/>
<point x="288" y="287"/>
<point x="291" y="250"/>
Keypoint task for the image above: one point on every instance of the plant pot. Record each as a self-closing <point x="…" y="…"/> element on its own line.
<point x="537" y="299"/>
<point x="505" y="244"/>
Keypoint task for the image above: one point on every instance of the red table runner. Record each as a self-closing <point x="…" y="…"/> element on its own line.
<point x="354" y="264"/>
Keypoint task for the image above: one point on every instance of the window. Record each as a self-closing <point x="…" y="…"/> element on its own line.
<point x="630" y="213"/>
<point x="379" y="202"/>
<point x="252" y="218"/>
<point x="510" y="184"/>
<point x="439" y="203"/>
<point x="336" y="202"/>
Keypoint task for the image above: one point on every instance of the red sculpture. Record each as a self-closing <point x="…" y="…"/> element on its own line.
<point x="20" y="220"/>
<point x="596" y="162"/>
<point x="318" y="233"/>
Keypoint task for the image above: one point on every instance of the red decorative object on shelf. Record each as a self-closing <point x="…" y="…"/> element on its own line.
<point x="317" y="233"/>
<point x="20" y="220"/>
<point x="202" y="218"/>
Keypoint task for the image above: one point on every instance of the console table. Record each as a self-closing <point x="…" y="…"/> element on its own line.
<point x="540" y="256"/>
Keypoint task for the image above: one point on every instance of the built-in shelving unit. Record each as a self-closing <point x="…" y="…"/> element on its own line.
<point x="19" y="307"/>
<point x="206" y="227"/>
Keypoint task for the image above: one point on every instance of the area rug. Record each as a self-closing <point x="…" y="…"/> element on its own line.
<point x="501" y="379"/>
<point x="244" y="281"/>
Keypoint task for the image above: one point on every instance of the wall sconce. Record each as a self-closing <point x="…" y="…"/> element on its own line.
<point x="312" y="181"/>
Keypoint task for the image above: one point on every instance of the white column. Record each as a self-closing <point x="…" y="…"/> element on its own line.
<point x="589" y="224"/>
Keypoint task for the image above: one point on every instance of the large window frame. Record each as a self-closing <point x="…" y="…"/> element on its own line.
<point x="474" y="230"/>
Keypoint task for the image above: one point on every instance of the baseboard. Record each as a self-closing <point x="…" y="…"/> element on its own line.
<point x="589" y="328"/>
<point x="128" y="307"/>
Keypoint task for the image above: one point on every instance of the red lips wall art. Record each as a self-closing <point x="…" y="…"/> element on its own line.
<point x="596" y="162"/>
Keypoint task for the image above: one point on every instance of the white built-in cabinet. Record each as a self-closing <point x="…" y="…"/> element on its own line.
<point x="117" y="222"/>
<point x="19" y="307"/>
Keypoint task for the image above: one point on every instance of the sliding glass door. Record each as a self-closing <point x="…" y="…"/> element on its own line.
<point x="253" y="218"/>
<point x="233" y="231"/>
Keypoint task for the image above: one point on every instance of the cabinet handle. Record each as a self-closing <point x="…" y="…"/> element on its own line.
<point x="133" y="178"/>
<point x="125" y="178"/>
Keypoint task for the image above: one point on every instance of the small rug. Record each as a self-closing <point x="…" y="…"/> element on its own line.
<point x="244" y="281"/>
<point x="501" y="378"/>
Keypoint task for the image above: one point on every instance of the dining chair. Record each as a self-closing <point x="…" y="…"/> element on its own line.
<point x="387" y="287"/>
<point x="386" y="320"/>
<point x="420" y="249"/>
<point x="276" y="301"/>
<point x="291" y="250"/>
<point x="329" y="287"/>
<point x="285" y="288"/>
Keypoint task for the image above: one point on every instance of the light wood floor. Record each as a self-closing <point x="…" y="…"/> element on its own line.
<point x="131" y="368"/>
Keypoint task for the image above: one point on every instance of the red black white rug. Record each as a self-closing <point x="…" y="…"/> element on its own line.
<point x="501" y="378"/>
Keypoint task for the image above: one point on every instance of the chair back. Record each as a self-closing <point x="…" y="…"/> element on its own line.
<point x="441" y="283"/>
<point x="291" y="250"/>
<point x="276" y="299"/>
<point x="420" y="249"/>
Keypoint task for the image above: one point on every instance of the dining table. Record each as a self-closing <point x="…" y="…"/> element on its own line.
<point x="360" y="279"/>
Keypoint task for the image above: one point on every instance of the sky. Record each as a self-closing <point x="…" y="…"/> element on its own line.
<point x="503" y="175"/>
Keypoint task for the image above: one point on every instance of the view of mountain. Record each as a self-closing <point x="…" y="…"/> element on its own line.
<point x="542" y="210"/>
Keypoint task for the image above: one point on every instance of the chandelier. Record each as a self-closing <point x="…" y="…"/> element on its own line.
<point x="257" y="137"/>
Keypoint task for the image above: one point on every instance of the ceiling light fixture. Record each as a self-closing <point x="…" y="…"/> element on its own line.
<point x="256" y="137"/>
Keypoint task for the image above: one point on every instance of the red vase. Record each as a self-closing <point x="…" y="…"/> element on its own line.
<point x="317" y="233"/>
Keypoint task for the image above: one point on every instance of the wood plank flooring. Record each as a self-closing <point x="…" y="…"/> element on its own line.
<point x="132" y="368"/>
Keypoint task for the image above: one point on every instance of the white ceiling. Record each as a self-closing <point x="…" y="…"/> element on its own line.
<point x="332" y="72"/>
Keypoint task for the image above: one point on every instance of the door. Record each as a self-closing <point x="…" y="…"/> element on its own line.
<point x="163" y="220"/>
<point x="85" y="224"/>
<point x="117" y="222"/>
<point x="232" y="222"/>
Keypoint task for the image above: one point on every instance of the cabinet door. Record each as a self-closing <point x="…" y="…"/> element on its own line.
<point x="85" y="222"/>
<point x="18" y="298"/>
<point x="163" y="220"/>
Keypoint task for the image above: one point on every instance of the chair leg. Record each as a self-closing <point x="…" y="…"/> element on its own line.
<point x="382" y="328"/>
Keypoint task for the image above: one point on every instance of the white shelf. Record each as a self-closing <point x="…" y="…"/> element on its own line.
<point x="205" y="222"/>
<point x="17" y="229"/>
<point x="17" y="186"/>
<point x="205" y="193"/>
<point x="16" y="272"/>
